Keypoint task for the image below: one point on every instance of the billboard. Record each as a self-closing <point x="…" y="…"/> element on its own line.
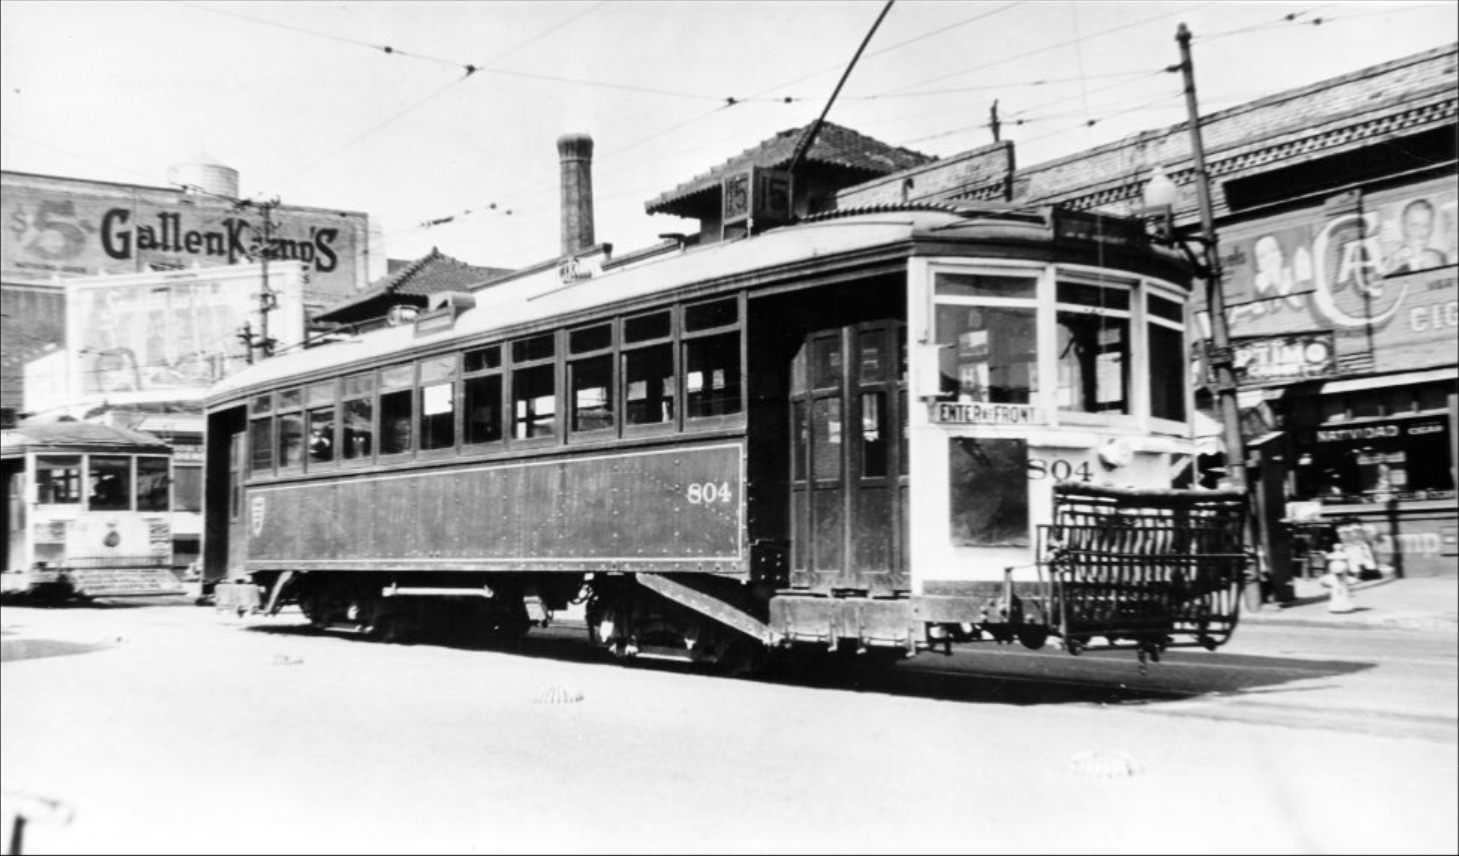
<point x="71" y="228"/>
<point x="1377" y="273"/>
<point x="169" y="336"/>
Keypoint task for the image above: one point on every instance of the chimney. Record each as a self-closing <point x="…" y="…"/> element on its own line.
<point x="576" y="154"/>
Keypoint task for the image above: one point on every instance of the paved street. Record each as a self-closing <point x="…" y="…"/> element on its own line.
<point x="167" y="728"/>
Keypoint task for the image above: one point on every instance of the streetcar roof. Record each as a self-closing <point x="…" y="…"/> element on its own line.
<point x="541" y="295"/>
<point x="77" y="436"/>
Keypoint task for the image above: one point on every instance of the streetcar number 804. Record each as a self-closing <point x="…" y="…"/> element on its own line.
<point x="705" y="493"/>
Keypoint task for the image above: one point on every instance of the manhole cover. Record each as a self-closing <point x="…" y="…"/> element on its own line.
<point x="558" y="695"/>
<point x="1104" y="764"/>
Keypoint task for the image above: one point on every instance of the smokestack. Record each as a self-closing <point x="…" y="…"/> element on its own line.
<point x="576" y="154"/>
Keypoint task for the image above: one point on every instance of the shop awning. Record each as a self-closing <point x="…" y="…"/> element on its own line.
<point x="1377" y="381"/>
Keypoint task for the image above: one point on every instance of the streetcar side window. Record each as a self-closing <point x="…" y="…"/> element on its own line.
<point x="321" y="422"/>
<point x="534" y="403"/>
<point x="153" y="483"/>
<point x="438" y="403"/>
<point x="649" y="379"/>
<point x="483" y="405"/>
<point x="1093" y="347"/>
<point x="534" y="387"/>
<point x="291" y="429"/>
<point x="58" y="479"/>
<point x="711" y="361"/>
<point x="590" y="378"/>
<point x="111" y="483"/>
<point x="1165" y="329"/>
<point x="261" y="436"/>
<point x="357" y="415"/>
<point x="397" y="389"/>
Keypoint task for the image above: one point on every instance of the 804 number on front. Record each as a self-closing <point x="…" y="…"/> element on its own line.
<point x="1059" y="469"/>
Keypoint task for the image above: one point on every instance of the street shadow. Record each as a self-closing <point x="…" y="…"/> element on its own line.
<point x="981" y="673"/>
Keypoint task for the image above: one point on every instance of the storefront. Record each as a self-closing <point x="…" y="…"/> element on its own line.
<point x="1345" y="321"/>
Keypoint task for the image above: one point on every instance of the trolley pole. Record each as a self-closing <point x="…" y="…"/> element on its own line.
<point x="1220" y="355"/>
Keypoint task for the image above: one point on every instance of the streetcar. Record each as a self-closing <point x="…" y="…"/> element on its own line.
<point x="881" y="430"/>
<point x="88" y="512"/>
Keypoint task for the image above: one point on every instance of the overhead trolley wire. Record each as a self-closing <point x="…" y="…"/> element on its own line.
<point x="1046" y="48"/>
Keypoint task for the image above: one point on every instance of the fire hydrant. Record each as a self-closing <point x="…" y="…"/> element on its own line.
<point x="1341" y="598"/>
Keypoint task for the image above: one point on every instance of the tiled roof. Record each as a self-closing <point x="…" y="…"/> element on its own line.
<point x="835" y="145"/>
<point x="433" y="272"/>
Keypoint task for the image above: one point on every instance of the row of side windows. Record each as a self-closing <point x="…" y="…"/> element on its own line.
<point x="669" y="369"/>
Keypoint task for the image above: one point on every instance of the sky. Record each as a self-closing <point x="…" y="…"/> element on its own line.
<point x="448" y="112"/>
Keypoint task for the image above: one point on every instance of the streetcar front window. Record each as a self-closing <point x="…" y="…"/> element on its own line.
<point x="1166" y="331"/>
<point x="58" y="479"/>
<point x="989" y="352"/>
<point x="988" y="498"/>
<point x="1093" y="347"/>
<point x="153" y="484"/>
<point x="111" y="483"/>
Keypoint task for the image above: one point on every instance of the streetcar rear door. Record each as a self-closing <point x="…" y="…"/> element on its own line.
<point x="848" y="471"/>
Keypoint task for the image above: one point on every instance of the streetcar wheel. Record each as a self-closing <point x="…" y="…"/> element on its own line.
<point x="1033" y="638"/>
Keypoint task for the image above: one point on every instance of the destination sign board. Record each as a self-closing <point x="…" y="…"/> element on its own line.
<point x="985" y="413"/>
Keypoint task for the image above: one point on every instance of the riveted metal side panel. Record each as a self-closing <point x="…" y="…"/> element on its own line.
<point x="672" y="509"/>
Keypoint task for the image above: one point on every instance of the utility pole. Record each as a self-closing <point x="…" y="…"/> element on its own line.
<point x="1220" y="355"/>
<point x="266" y="300"/>
<point x="993" y="120"/>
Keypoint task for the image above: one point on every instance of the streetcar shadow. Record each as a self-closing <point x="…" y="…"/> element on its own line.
<point x="972" y="674"/>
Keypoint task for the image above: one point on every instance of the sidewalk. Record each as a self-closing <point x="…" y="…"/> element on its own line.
<point x="1418" y="603"/>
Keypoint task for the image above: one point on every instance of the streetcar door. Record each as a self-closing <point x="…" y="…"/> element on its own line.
<point x="848" y="469"/>
<point x="237" y="513"/>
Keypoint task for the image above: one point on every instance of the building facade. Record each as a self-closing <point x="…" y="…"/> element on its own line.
<point x="57" y="229"/>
